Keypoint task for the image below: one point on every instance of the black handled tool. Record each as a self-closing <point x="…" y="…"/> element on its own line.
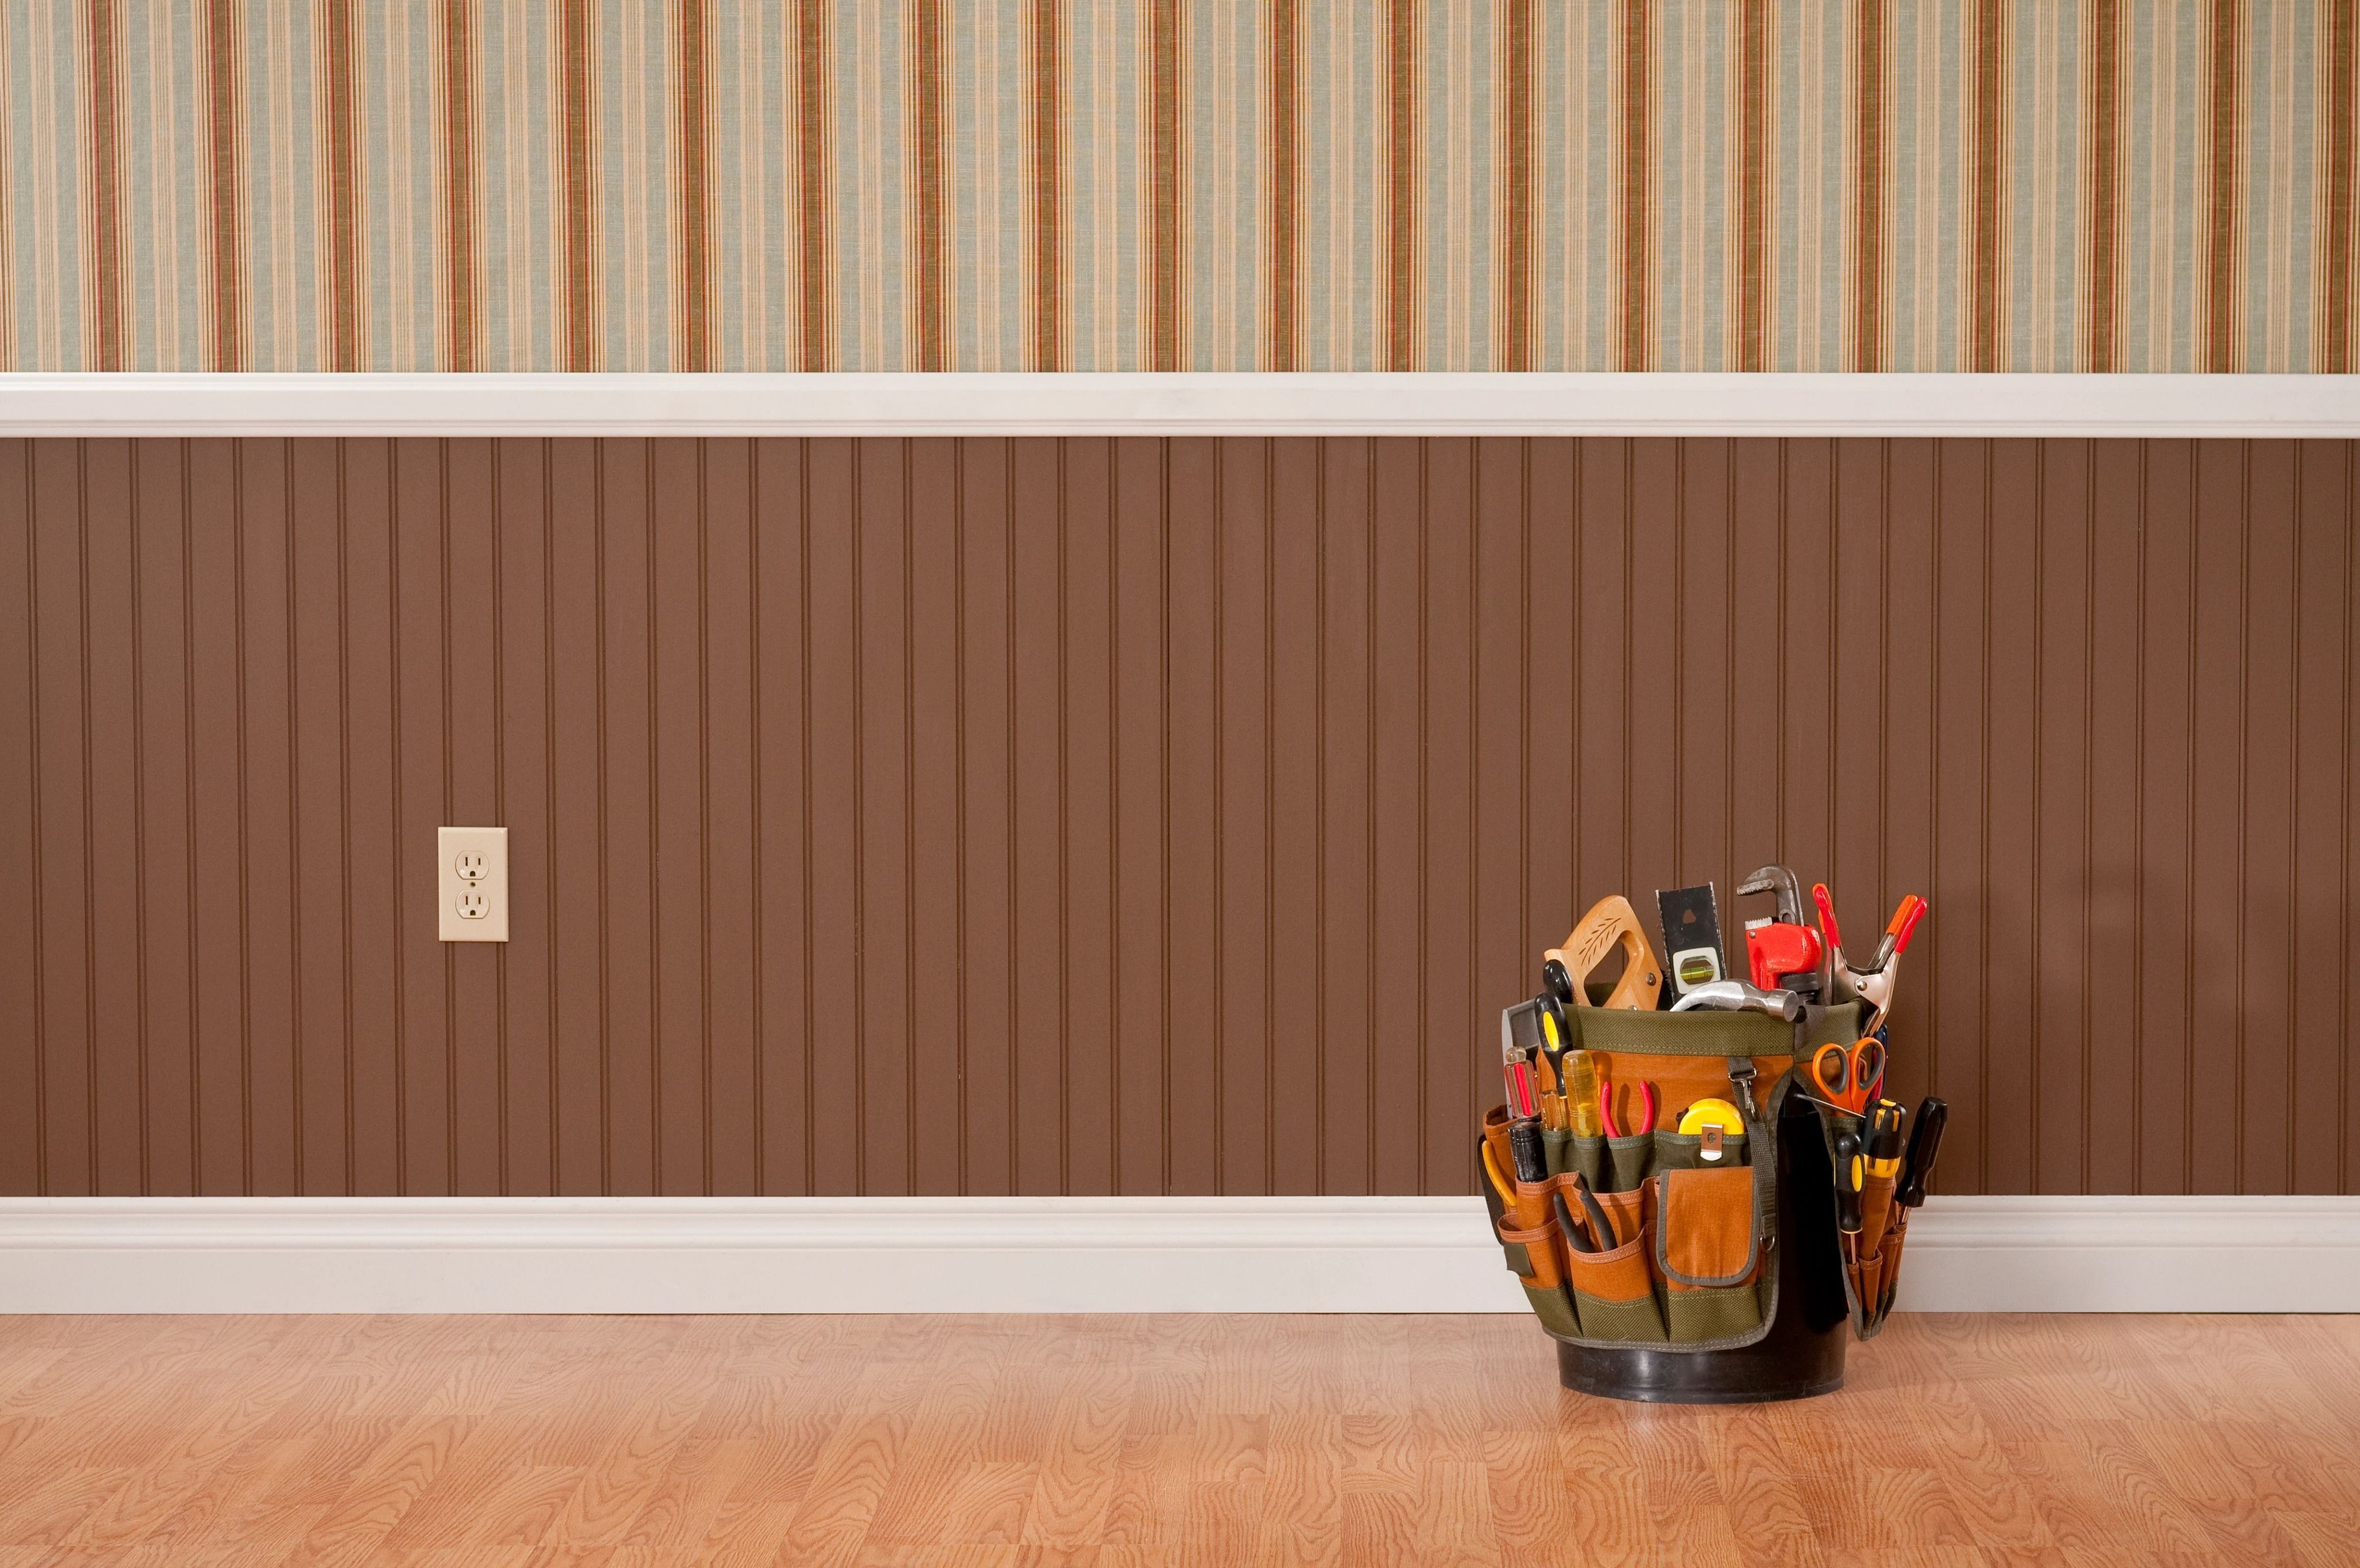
<point x="1573" y="1237"/>
<point x="1554" y="1042"/>
<point x="1852" y="1174"/>
<point x="1529" y="1151"/>
<point x="1925" y="1143"/>
<point x="1607" y="1238"/>
<point x="1558" y="981"/>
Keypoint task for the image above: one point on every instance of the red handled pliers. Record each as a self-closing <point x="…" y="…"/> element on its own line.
<point x="1646" y="1122"/>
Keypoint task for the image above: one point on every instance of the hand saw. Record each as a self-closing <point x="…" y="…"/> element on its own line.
<point x="1611" y="923"/>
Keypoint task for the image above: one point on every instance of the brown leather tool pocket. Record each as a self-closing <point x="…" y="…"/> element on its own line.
<point x="1867" y="1279"/>
<point x="1495" y="1138"/>
<point x="1876" y="1215"/>
<point x="1614" y="1292"/>
<point x="1536" y="1249"/>
<point x="1888" y="1274"/>
<point x="1708" y="1251"/>
<point x="1532" y="1222"/>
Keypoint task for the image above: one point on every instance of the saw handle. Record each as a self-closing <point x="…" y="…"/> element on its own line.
<point x="1611" y="923"/>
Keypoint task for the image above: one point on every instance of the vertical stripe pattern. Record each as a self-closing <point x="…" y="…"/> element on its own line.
<point x="1141" y="816"/>
<point x="1925" y="185"/>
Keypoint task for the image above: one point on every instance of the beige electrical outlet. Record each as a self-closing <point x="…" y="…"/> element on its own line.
<point x="473" y="883"/>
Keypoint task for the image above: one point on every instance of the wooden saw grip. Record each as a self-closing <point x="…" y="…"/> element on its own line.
<point x="1611" y="923"/>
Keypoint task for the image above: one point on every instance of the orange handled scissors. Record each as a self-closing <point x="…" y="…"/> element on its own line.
<point x="1849" y="1078"/>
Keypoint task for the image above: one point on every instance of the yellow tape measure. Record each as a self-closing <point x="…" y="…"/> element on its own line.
<point x="1711" y="1113"/>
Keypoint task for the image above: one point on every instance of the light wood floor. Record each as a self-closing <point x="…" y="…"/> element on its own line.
<point x="1128" y="1439"/>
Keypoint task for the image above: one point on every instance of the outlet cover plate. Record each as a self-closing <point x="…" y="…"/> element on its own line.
<point x="472" y="864"/>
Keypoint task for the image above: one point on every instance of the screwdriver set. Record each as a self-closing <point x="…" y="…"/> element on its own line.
<point x="1634" y="1169"/>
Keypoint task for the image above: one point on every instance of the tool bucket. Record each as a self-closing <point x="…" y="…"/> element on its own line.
<point x="1707" y="1268"/>
<point x="1802" y="1354"/>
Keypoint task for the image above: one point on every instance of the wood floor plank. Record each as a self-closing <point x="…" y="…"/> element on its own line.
<point x="45" y="1507"/>
<point x="1303" y="1496"/>
<point x="1079" y="1463"/>
<point x="840" y="1503"/>
<point x="377" y="1496"/>
<point x="1125" y="1442"/>
<point x="771" y="1480"/>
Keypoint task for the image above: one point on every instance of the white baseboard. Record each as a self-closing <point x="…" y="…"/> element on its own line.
<point x="1247" y="403"/>
<point x="1067" y="1255"/>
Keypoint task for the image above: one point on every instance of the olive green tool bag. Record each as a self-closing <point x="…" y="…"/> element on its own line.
<point x="1687" y="1266"/>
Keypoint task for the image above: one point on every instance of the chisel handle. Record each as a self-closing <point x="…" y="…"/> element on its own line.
<point x="1925" y="1143"/>
<point x="1851" y="1175"/>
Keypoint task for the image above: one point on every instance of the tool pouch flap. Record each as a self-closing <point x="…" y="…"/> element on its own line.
<point x="1706" y="1235"/>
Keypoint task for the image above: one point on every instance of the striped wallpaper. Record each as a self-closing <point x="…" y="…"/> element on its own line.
<point x="1179" y="185"/>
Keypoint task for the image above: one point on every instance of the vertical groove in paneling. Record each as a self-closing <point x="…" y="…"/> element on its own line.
<point x="1115" y="1010"/>
<point x="503" y="1109"/>
<point x="243" y="868"/>
<point x="553" y="912"/>
<point x="91" y="1123"/>
<point x="1013" y="838"/>
<point x="35" y="1034"/>
<point x="1932" y="966"/>
<point x="2346" y="694"/>
<point x="857" y="516"/>
<point x="1269" y="824"/>
<point x="909" y="835"/>
<point x="757" y="840"/>
<point x="2135" y="1003"/>
<point x="397" y="947"/>
<point x="2086" y="889"/>
<point x="189" y="889"/>
<point x="651" y="632"/>
<point x="803" y="737"/>
<point x="598" y="913"/>
<point x="2239" y="1074"/>
<point x="1220" y="859"/>
<point x="1367" y="969"/>
<point x="1421" y="887"/>
<point x="1983" y="883"/>
<point x="1061" y="597"/>
<point x="1155" y="816"/>
<point x="447" y="812"/>
<point x="348" y="1024"/>
<point x="145" y="1087"/>
<point x="2188" y="849"/>
<point x="706" y="742"/>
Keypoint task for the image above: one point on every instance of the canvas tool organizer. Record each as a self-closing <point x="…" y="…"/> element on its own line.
<point x="1725" y="1279"/>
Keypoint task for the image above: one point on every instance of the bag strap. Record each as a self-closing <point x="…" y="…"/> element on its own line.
<point x="1766" y="1153"/>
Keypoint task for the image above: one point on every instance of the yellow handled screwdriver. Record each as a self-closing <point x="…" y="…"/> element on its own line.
<point x="1579" y="1084"/>
<point x="1553" y="1106"/>
<point x="1885" y="1140"/>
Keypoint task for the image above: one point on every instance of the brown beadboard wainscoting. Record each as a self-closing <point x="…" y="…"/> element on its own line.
<point x="1139" y="815"/>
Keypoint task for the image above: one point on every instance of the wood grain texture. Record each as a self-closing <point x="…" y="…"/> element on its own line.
<point x="1141" y="816"/>
<point x="1152" y="1440"/>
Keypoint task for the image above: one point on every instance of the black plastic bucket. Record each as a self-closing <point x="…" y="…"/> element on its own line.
<point x="1802" y="1354"/>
